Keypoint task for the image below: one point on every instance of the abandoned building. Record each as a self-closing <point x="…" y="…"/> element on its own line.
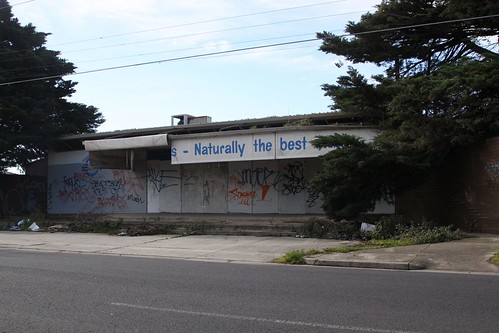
<point x="257" y="166"/>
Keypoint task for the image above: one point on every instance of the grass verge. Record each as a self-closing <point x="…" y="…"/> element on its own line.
<point x="297" y="257"/>
<point x="495" y="259"/>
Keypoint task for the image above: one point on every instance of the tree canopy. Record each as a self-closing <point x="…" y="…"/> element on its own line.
<point x="438" y="92"/>
<point x="33" y="94"/>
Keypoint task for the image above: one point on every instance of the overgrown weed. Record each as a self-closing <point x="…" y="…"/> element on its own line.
<point x="392" y="231"/>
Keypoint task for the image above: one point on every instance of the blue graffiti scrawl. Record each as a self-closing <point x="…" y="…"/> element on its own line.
<point x="85" y="167"/>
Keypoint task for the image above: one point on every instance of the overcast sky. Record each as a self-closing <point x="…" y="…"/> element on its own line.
<point x="274" y="81"/>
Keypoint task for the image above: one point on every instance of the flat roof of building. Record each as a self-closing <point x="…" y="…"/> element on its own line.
<point x="73" y="142"/>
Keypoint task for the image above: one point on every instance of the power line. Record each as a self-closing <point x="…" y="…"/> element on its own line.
<point x="200" y="22"/>
<point x="426" y="24"/>
<point x="168" y="51"/>
<point x="213" y="31"/>
<point x="245" y="49"/>
<point x="152" y="53"/>
<point x="191" y="35"/>
<point x="194" y="48"/>
<point x="196" y="34"/>
<point x="160" y="61"/>
<point x="16" y="4"/>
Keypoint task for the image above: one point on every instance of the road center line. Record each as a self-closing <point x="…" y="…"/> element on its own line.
<point x="264" y="320"/>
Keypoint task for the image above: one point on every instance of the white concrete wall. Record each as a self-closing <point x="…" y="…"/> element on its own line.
<point x="272" y="187"/>
<point x="163" y="187"/>
<point x="312" y="200"/>
<point x="262" y="177"/>
<point x="239" y="194"/>
<point x="258" y="187"/>
<point x="73" y="187"/>
<point x="252" y="187"/>
<point x="204" y="187"/>
<point x="192" y="188"/>
<point x="214" y="188"/>
<point x="292" y="187"/>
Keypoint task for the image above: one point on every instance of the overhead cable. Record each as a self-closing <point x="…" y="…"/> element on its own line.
<point x="16" y="4"/>
<point x="246" y="49"/>
<point x="199" y="22"/>
<point x="160" y="61"/>
<point x="213" y="31"/>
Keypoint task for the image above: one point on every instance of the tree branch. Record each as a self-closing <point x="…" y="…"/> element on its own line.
<point x="486" y="53"/>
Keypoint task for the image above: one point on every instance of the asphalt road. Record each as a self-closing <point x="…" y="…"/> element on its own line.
<point x="55" y="292"/>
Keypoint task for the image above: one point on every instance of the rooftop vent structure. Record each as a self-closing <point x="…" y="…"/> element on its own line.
<point x="186" y="119"/>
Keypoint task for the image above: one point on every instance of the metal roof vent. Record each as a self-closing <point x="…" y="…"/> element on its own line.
<point x="186" y="119"/>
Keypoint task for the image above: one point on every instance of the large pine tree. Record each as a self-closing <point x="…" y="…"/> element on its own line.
<point x="32" y="113"/>
<point x="439" y="92"/>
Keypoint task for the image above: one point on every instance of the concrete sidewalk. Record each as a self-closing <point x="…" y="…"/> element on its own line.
<point x="467" y="255"/>
<point x="207" y="247"/>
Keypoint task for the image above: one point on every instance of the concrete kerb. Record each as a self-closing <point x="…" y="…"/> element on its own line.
<point x="364" y="264"/>
<point x="466" y="255"/>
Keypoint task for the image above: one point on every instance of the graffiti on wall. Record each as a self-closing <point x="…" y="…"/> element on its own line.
<point x="237" y="193"/>
<point x="492" y="170"/>
<point x="248" y="186"/>
<point x="105" y="193"/>
<point x="312" y="197"/>
<point x="292" y="181"/>
<point x="162" y="179"/>
<point x="21" y="194"/>
<point x="94" y="190"/>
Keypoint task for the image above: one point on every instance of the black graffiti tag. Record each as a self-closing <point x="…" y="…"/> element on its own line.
<point x="293" y="181"/>
<point x="162" y="179"/>
<point x="256" y="176"/>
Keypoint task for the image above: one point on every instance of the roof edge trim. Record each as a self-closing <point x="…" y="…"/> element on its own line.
<point x="143" y="141"/>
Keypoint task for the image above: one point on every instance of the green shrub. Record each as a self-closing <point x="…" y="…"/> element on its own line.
<point x="423" y="232"/>
<point x="389" y="227"/>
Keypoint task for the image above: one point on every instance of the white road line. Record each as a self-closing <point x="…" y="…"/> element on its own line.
<point x="264" y="320"/>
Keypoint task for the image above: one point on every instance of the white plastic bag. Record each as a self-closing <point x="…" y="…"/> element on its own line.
<point x="34" y="227"/>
